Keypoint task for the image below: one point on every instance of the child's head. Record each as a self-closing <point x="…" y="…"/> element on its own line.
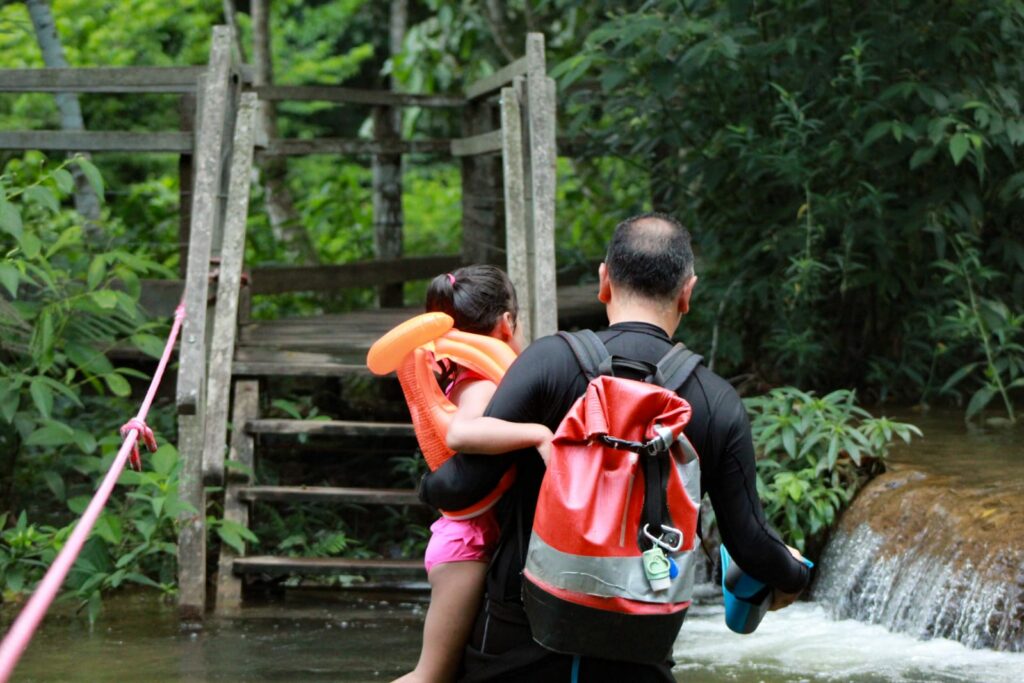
<point x="481" y="299"/>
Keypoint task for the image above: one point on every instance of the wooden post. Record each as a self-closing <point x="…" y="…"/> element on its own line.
<point x="225" y="318"/>
<point x="483" y="224"/>
<point x="213" y="107"/>
<point x="517" y="247"/>
<point x="229" y="586"/>
<point x="540" y="93"/>
<point x="387" y="201"/>
<point x="187" y="109"/>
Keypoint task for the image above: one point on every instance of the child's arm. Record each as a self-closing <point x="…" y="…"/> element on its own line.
<point x="471" y="432"/>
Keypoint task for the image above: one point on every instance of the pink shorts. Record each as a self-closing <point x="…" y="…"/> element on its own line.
<point x="464" y="540"/>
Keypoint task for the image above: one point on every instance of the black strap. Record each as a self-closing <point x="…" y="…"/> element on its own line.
<point x="589" y="350"/>
<point x="676" y="366"/>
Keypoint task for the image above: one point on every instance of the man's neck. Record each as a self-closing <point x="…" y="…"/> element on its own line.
<point x="637" y="310"/>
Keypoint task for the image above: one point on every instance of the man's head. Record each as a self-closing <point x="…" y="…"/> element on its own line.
<point x="649" y="259"/>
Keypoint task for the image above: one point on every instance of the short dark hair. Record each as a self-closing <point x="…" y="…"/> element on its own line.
<point x="650" y="255"/>
<point x="474" y="296"/>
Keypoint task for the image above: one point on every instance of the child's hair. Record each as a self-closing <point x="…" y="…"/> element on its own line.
<point x="474" y="296"/>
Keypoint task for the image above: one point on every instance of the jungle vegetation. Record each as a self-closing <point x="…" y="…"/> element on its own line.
<point x="849" y="171"/>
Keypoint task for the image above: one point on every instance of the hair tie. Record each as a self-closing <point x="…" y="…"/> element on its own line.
<point x="451" y="279"/>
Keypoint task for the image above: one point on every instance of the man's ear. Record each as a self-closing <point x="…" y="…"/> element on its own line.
<point x="604" y="288"/>
<point x="685" y="293"/>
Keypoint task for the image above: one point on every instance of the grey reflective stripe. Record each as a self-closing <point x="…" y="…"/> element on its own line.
<point x="607" y="577"/>
<point x="688" y="468"/>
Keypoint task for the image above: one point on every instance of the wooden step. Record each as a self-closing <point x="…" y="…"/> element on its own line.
<point x="329" y="494"/>
<point x="330" y="428"/>
<point x="267" y="362"/>
<point x="277" y="566"/>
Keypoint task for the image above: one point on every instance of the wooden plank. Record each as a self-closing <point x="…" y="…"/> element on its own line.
<point x="213" y="110"/>
<point x="483" y="214"/>
<point x="278" y="279"/>
<point x="330" y="428"/>
<point x="333" y="93"/>
<point x="516" y="246"/>
<point x="388" y="219"/>
<point x="225" y="318"/>
<point x="275" y="362"/>
<point x="229" y="587"/>
<point x="483" y="143"/>
<point x="131" y="79"/>
<point x="97" y="140"/>
<point x="328" y="494"/>
<point x="278" y="566"/>
<point x="187" y="115"/>
<point x="497" y="80"/>
<point x="540" y="91"/>
<point x="192" y="522"/>
<point x="346" y="146"/>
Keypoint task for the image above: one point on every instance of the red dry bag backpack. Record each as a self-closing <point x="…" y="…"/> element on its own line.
<point x="610" y="566"/>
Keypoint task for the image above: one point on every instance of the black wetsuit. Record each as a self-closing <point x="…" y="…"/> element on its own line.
<point x="541" y="387"/>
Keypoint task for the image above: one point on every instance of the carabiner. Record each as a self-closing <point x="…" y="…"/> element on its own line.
<point x="671" y="547"/>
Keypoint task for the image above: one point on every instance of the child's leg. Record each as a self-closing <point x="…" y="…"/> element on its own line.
<point x="455" y="594"/>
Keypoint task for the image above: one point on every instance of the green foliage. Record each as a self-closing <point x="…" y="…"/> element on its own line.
<point x="813" y="454"/>
<point x="812" y="147"/>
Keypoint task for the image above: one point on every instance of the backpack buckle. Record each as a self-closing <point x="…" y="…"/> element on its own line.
<point x="662" y="441"/>
<point x="673" y="533"/>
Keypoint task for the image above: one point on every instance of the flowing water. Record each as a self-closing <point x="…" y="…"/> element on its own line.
<point x="949" y="496"/>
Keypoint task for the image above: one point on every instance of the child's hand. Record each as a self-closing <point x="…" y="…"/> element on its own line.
<point x="544" y="447"/>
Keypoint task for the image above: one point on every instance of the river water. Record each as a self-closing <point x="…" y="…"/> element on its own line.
<point x="321" y="637"/>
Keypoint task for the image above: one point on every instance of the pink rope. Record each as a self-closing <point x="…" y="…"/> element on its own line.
<point x="24" y="627"/>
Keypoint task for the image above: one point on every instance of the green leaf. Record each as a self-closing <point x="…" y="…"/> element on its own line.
<point x="118" y="385"/>
<point x="10" y="278"/>
<point x="958" y="146"/>
<point x="78" y="504"/>
<point x="978" y="402"/>
<point x="10" y="219"/>
<point x="92" y="174"/>
<point x="104" y="298"/>
<point x="30" y="245"/>
<point x="165" y="458"/>
<point x="149" y="344"/>
<point x="88" y="359"/>
<point x="42" y="395"/>
<point x="42" y="196"/>
<point x="65" y="181"/>
<point x="55" y="483"/>
<point x="232" y="538"/>
<point x="53" y="434"/>
<point x="97" y="271"/>
<point x="109" y="528"/>
<point x="958" y="376"/>
<point x="922" y="156"/>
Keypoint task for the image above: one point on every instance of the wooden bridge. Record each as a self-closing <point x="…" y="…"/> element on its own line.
<point x="507" y="156"/>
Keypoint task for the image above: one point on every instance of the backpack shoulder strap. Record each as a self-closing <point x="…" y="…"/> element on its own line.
<point x="590" y="352"/>
<point x="676" y="366"/>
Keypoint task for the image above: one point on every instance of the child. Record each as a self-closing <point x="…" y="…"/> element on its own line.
<point x="481" y="299"/>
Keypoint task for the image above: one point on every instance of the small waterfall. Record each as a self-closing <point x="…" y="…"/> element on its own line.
<point x="933" y="556"/>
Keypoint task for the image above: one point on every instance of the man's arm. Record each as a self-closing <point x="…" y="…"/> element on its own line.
<point x="732" y="487"/>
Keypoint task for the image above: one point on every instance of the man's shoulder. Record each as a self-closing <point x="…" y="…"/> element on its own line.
<point x="707" y="386"/>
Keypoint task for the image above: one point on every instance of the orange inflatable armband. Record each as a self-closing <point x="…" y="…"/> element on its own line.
<point x="413" y="349"/>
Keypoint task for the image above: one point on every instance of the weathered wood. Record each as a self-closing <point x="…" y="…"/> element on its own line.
<point x="187" y="115"/>
<point x="329" y="428"/>
<point x="279" y="566"/>
<point x="225" y="317"/>
<point x="483" y="219"/>
<point x="482" y="143"/>
<point x="131" y="79"/>
<point x="543" y="157"/>
<point x="388" y="219"/>
<point x="281" y="279"/>
<point x="229" y="587"/>
<point x="497" y="80"/>
<point x="329" y="494"/>
<point x="191" y="523"/>
<point x="213" y="109"/>
<point x="333" y="93"/>
<point x="286" y="147"/>
<point x="275" y="362"/>
<point x="97" y="140"/>
<point x="516" y="245"/>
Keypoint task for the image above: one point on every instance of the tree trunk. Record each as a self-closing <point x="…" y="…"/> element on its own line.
<point x="284" y="221"/>
<point x="86" y="202"/>
<point x="388" y="219"/>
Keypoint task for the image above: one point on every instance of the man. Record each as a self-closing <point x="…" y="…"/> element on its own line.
<point x="646" y="283"/>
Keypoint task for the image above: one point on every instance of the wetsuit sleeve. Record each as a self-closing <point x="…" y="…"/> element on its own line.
<point x="522" y="396"/>
<point x="732" y="488"/>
